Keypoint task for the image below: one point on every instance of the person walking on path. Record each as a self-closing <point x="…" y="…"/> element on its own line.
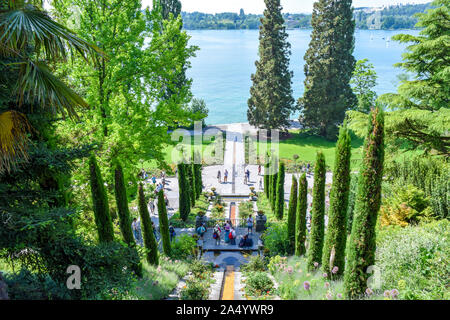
<point x="259" y="170"/>
<point x="260" y="184"/>
<point x="153" y="179"/>
<point x="172" y="233"/>
<point x="232" y="236"/>
<point x="136" y="227"/>
<point x="227" y="229"/>
<point x="216" y="234"/>
<point x="245" y="179"/>
<point x="247" y="173"/>
<point x="225" y="176"/>
<point x="151" y="205"/>
<point x="219" y="176"/>
<point x="250" y="224"/>
<point x="201" y="231"/>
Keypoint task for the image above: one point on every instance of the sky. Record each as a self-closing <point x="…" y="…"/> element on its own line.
<point x="257" y="6"/>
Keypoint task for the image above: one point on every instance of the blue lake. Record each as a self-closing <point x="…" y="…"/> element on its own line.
<point x="226" y="59"/>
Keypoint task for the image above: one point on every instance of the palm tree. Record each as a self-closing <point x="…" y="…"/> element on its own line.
<point x="29" y="42"/>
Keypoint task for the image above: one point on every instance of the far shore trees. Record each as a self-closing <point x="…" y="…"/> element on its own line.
<point x="328" y="68"/>
<point x="271" y="102"/>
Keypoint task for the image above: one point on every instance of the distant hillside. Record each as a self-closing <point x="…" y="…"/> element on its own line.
<point x="387" y="18"/>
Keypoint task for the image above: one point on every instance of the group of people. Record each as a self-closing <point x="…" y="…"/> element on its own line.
<point x="225" y="176"/>
<point x="229" y="233"/>
<point x="137" y="232"/>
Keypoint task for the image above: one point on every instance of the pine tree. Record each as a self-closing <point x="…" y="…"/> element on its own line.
<point x="361" y="246"/>
<point x="292" y="212"/>
<point x="147" y="229"/>
<point x="163" y="223"/>
<point x="271" y="102"/>
<point x="300" y="221"/>
<point x="317" y="213"/>
<point x="336" y="236"/>
<point x="184" y="200"/>
<point x="279" y="196"/>
<point x="100" y="203"/>
<point x="329" y="68"/>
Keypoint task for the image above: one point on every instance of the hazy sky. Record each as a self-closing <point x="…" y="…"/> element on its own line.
<point x="257" y="6"/>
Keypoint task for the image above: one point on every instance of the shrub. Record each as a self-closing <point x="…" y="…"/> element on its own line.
<point x="245" y="209"/>
<point x="415" y="259"/>
<point x="184" y="247"/>
<point x="407" y="205"/>
<point x="276" y="239"/>
<point x="258" y="283"/>
<point x="256" y="263"/>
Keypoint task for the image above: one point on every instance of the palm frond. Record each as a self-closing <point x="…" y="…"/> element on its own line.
<point x="27" y="25"/>
<point x="14" y="128"/>
<point x="37" y="85"/>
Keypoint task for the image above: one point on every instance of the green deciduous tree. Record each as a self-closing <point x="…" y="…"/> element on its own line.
<point x="363" y="81"/>
<point x="300" y="221"/>
<point x="361" y="246"/>
<point x="100" y="203"/>
<point x="329" y="67"/>
<point x="336" y="236"/>
<point x="271" y="102"/>
<point x="292" y="212"/>
<point x="317" y="213"/>
<point x="147" y="229"/>
<point x="163" y="223"/>
<point x="170" y="7"/>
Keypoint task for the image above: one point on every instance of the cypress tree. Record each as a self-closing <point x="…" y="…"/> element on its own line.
<point x="279" y="202"/>
<point x="329" y="67"/>
<point x="190" y="184"/>
<point x="361" y="246"/>
<point x="122" y="205"/>
<point x="266" y="181"/>
<point x="336" y="235"/>
<point x="163" y="223"/>
<point x="184" y="200"/>
<point x="300" y="221"/>
<point x="273" y="190"/>
<point x="271" y="102"/>
<point x="292" y="212"/>
<point x="198" y="180"/>
<point x="100" y="203"/>
<point x="124" y="212"/>
<point x="317" y="213"/>
<point x="147" y="229"/>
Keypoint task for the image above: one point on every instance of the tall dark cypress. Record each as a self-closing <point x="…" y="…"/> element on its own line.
<point x="147" y="229"/>
<point x="273" y="190"/>
<point x="329" y="67"/>
<point x="271" y="102"/>
<point x="266" y="181"/>
<point x="122" y="205"/>
<point x="191" y="183"/>
<point x="163" y="223"/>
<point x="184" y="199"/>
<point x="336" y="236"/>
<point x="292" y="213"/>
<point x="198" y="180"/>
<point x="300" y="221"/>
<point x="100" y="203"/>
<point x="361" y="246"/>
<point x="124" y="212"/>
<point x="279" y="196"/>
<point x="317" y="213"/>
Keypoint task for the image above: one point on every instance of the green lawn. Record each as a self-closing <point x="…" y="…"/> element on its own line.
<point x="306" y="147"/>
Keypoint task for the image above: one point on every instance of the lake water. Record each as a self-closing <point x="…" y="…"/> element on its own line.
<point x="226" y="59"/>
